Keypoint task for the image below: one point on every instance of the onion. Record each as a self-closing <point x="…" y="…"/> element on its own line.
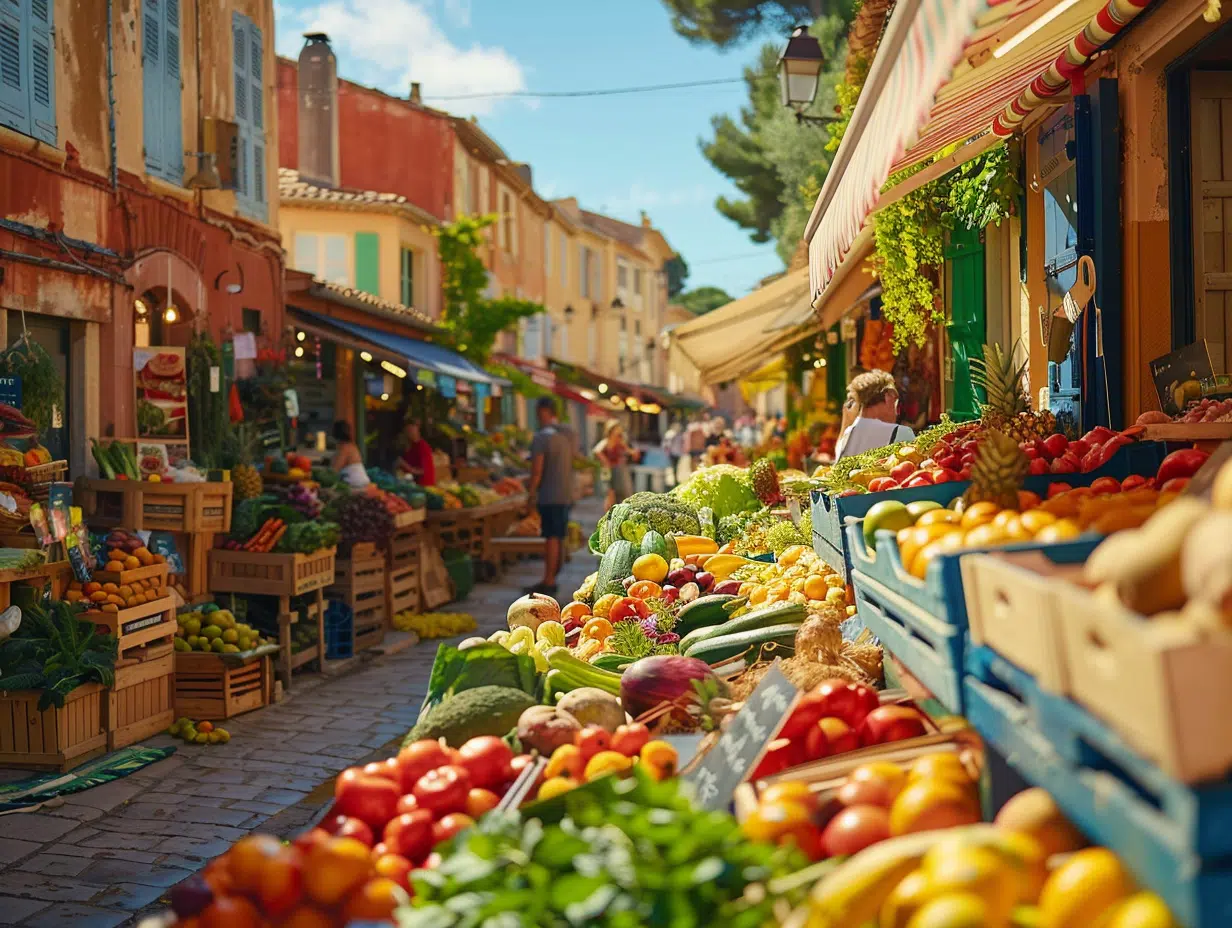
<point x="665" y="678"/>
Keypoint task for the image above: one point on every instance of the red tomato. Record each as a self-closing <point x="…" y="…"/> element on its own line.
<point x="881" y="484"/>
<point x="1057" y="488"/>
<point x="410" y="835"/>
<point x="592" y="739"/>
<point x="416" y="759"/>
<point x="854" y="829"/>
<point x="830" y="736"/>
<point x="487" y="759"/>
<point x="848" y="701"/>
<point x="479" y="801"/>
<point x="891" y="723"/>
<point x="804" y="717"/>
<point x="443" y="790"/>
<point x="407" y="803"/>
<point x="1133" y="482"/>
<point x="388" y="769"/>
<point x="630" y="739"/>
<point x="623" y="610"/>
<point x="449" y="826"/>
<point x="432" y="861"/>
<point x="344" y="827"/>
<point x="379" y="850"/>
<point x="1175" y="485"/>
<point x="870" y="792"/>
<point x="373" y="800"/>
<point x="780" y="755"/>
<point x="1105" y="485"/>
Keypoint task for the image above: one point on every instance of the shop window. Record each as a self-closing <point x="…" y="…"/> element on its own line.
<point x="250" y="319"/>
<point x="248" y="51"/>
<point x="408" y="277"/>
<point x="160" y="66"/>
<point x="27" y="69"/>
<point x="323" y="256"/>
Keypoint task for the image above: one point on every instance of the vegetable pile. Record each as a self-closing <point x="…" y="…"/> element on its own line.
<point x="724" y="489"/>
<point x="54" y="651"/>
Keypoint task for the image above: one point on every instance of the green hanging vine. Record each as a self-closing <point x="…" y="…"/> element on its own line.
<point x="909" y="236"/>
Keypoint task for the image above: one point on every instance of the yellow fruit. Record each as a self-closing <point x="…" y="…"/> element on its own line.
<point x="650" y="567"/>
<point x="792" y="555"/>
<point x="605" y="762"/>
<point x="908" y="897"/>
<point x="914" y="539"/>
<point x="201" y="737"/>
<point x="944" y="545"/>
<point x="944" y="765"/>
<point x="1034" y="812"/>
<point x="1060" y="530"/>
<point x="1004" y="518"/>
<point x="604" y="605"/>
<point x="985" y="535"/>
<point x="555" y="786"/>
<point x="927" y="805"/>
<point x="815" y="587"/>
<point x="956" y="910"/>
<point x="1035" y="519"/>
<point x="223" y="735"/>
<point x="1141" y="910"/>
<point x="1083" y="889"/>
<point x="566" y="760"/>
<point x="939" y="516"/>
<point x="978" y="514"/>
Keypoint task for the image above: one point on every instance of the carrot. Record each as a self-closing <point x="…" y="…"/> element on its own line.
<point x="273" y="542"/>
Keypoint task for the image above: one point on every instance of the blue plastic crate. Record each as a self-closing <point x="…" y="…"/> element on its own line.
<point x="339" y="631"/>
<point x="1176" y="838"/>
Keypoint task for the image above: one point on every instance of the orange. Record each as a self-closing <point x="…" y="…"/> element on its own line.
<point x="939" y="516"/>
<point x="282" y="883"/>
<point x="1061" y="530"/>
<point x="944" y="545"/>
<point x="1034" y="812"/>
<point x="892" y="775"/>
<point x="772" y="820"/>
<point x="1141" y="910"/>
<point x="578" y="611"/>
<point x="376" y="900"/>
<point x="790" y="791"/>
<point x="1036" y="519"/>
<point x="1083" y="889"/>
<point x="230" y="912"/>
<point x="928" y="805"/>
<point x="944" y="765"/>
<point x="395" y="867"/>
<point x="334" y="868"/>
<point x="915" y="538"/>
<point x="815" y="587"/>
<point x="956" y="910"/>
<point x="1004" y="517"/>
<point x="248" y="858"/>
<point x="985" y="535"/>
<point x="979" y="513"/>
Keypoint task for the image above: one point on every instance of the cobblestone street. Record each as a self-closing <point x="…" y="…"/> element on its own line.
<point x="103" y="857"/>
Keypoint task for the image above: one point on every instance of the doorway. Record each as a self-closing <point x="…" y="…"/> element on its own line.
<point x="54" y="336"/>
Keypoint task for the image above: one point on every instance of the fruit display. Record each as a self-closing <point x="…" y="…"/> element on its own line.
<point x="723" y="489"/>
<point x="361" y="517"/>
<point x="124" y="550"/>
<point x="209" y="628"/>
<point x="642" y="513"/>
<point x="1206" y="409"/>
<point x="434" y="624"/>
<point x="269" y="523"/>
<point x="596" y="752"/>
<point x="194" y="732"/>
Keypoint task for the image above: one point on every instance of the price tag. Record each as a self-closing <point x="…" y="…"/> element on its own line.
<point x="10" y="391"/>
<point x="736" y="754"/>
<point x="215" y="379"/>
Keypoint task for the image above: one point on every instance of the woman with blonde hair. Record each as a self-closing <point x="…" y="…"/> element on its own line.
<point x="616" y="455"/>
<point x="874" y="399"/>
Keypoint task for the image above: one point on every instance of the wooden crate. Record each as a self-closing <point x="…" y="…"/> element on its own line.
<point x="404" y="547"/>
<point x="146" y="626"/>
<point x="270" y="574"/>
<point x="360" y="584"/>
<point x="143" y="506"/>
<point x="410" y="518"/>
<point x="52" y="739"/>
<point x="42" y="476"/>
<point x="121" y="578"/>
<point x="142" y="702"/>
<point x="360" y="575"/>
<point x="401" y="590"/>
<point x="207" y="686"/>
<point x="313" y="613"/>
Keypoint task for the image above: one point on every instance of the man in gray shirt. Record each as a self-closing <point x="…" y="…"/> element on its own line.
<point x="551" y="486"/>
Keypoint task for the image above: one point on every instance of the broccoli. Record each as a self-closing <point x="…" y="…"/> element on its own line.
<point x="660" y="520"/>
<point x="686" y="523"/>
<point x="730" y="527"/>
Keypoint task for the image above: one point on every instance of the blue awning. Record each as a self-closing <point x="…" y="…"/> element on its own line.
<point x="447" y="365"/>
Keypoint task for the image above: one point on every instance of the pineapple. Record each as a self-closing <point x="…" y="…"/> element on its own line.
<point x="1008" y="408"/>
<point x="246" y="479"/>
<point x="764" y="477"/>
<point x="998" y="471"/>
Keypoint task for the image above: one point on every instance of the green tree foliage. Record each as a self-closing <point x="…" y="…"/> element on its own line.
<point x="701" y="300"/>
<point x="677" y="270"/>
<point x="728" y="22"/>
<point x="470" y="320"/>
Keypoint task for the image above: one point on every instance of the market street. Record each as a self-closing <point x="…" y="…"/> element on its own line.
<point x="107" y="854"/>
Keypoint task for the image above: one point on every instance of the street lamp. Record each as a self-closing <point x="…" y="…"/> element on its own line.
<point x="799" y="73"/>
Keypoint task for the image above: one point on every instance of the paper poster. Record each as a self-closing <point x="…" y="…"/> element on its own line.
<point x="245" y="346"/>
<point x="1181" y="375"/>
<point x="162" y="392"/>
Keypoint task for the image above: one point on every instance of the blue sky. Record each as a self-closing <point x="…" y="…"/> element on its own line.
<point x="617" y="155"/>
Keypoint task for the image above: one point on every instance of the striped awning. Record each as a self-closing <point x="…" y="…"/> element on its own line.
<point x="923" y="40"/>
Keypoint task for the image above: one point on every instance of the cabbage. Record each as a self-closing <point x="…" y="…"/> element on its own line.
<point x="722" y="488"/>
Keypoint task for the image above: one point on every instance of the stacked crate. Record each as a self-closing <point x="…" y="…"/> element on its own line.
<point x="359" y="584"/>
<point x="402" y="582"/>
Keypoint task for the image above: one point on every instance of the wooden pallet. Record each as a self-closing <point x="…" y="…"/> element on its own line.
<point x="52" y="739"/>
<point x="270" y="574"/>
<point x="146" y="626"/>
<point x="142" y="702"/>
<point x="207" y="686"/>
<point x="139" y="505"/>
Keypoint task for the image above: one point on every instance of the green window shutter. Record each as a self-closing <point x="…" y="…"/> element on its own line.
<point x="152" y="85"/>
<point x="408" y="277"/>
<point x="967" y="326"/>
<point x="368" y="262"/>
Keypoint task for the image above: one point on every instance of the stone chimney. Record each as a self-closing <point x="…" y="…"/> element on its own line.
<point x="318" y="111"/>
<point x="416" y="92"/>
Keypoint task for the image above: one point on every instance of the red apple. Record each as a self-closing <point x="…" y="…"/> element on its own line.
<point x="848" y="701"/>
<point x="1055" y="445"/>
<point x="902" y="470"/>
<point x="780" y="755"/>
<point x="854" y="829"/>
<point x="891" y="723"/>
<point x="828" y="737"/>
<point x="1038" y="467"/>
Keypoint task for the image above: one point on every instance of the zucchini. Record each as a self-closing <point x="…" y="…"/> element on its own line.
<point x="777" y="614"/>
<point x="702" y="612"/>
<point x="616" y="663"/>
<point x="720" y="648"/>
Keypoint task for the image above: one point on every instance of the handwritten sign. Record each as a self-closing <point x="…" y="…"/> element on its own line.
<point x="736" y="753"/>
<point x="10" y="391"/>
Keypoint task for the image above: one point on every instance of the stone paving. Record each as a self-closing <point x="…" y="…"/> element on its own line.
<point x="106" y="856"/>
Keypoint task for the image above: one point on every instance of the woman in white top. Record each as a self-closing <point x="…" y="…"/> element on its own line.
<point x="348" y="462"/>
<point x="875" y="399"/>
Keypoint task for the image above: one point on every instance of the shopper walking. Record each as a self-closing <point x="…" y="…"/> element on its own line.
<point x="616" y="455"/>
<point x="874" y="397"/>
<point x="551" y="486"/>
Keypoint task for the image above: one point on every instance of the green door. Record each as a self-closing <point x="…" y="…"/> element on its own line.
<point x="965" y="254"/>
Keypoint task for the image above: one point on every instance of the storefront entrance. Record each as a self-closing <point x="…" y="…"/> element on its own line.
<point x="54" y="336"/>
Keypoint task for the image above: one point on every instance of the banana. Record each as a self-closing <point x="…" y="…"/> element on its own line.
<point x="852" y="895"/>
<point x="723" y="565"/>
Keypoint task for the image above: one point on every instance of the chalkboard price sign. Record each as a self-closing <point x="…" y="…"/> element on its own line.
<point x="736" y="754"/>
<point x="10" y="391"/>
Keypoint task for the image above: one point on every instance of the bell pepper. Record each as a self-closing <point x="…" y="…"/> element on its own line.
<point x="1183" y="463"/>
<point x="694" y="544"/>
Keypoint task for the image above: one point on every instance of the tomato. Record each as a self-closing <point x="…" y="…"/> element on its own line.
<point x="780" y="755"/>
<point x="878" y="793"/>
<point x="395" y="867"/>
<point x="479" y="801"/>
<point x="373" y="800"/>
<point x="333" y="869"/>
<point x="520" y="763"/>
<point x="248" y="859"/>
<point x="282" y="883"/>
<point x="410" y="835"/>
<point x="443" y="790"/>
<point x="1133" y="482"/>
<point x="384" y="768"/>
<point x="449" y="826"/>
<point x="1105" y="485"/>
<point x="487" y="759"/>
<point x="854" y="829"/>
<point x="416" y="759"/>
<point x="407" y="803"/>
<point x="804" y="717"/>
<point x="881" y="484"/>
<point x="230" y="912"/>
<point x="1057" y="488"/>
<point x="630" y="739"/>
<point x="1175" y="485"/>
<point x="345" y="827"/>
<point x="374" y="902"/>
<point x="592" y="739"/>
<point x="848" y="701"/>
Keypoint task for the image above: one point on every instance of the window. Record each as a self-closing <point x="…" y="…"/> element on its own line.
<point x="461" y="180"/>
<point x="584" y="269"/>
<point x="596" y="266"/>
<point x="592" y="344"/>
<point x="564" y="260"/>
<point x="408" y="277"/>
<point x="623" y="349"/>
<point x="637" y="281"/>
<point x="251" y="320"/>
<point x="532" y="338"/>
<point x="622" y="276"/>
<point x="323" y="256"/>
<point x="160" y="67"/>
<point x="547" y="249"/>
<point x="508" y="224"/>
<point x="248" y="50"/>
<point x="27" y="71"/>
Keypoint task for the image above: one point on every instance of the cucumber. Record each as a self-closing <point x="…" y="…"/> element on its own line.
<point x="778" y="614"/>
<point x="612" y="661"/>
<point x="720" y="648"/>
<point x="702" y="612"/>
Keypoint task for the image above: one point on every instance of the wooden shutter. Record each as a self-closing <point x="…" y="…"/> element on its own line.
<point x="172" y="118"/>
<point x="239" y="45"/>
<point x="42" y="73"/>
<point x="14" y="92"/>
<point x="1211" y="112"/>
<point x="152" y="84"/>
<point x="256" y="106"/>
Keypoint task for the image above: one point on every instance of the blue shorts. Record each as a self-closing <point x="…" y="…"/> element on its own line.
<point x="555" y="519"/>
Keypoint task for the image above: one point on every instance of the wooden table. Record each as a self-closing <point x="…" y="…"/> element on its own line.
<point x="473" y="528"/>
<point x="1206" y="435"/>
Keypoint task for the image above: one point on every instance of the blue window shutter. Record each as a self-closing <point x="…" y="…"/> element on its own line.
<point x="42" y="73"/>
<point x="152" y="84"/>
<point x="14" y="89"/>
<point x="239" y="43"/>
<point x="256" y="106"/>
<point x="173" y="124"/>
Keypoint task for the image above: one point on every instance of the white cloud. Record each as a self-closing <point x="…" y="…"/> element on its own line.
<point x="390" y="43"/>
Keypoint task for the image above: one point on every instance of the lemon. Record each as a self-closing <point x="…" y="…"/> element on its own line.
<point x="650" y="567"/>
<point x="1141" y="910"/>
<point x="1083" y="889"/>
<point x="955" y="910"/>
